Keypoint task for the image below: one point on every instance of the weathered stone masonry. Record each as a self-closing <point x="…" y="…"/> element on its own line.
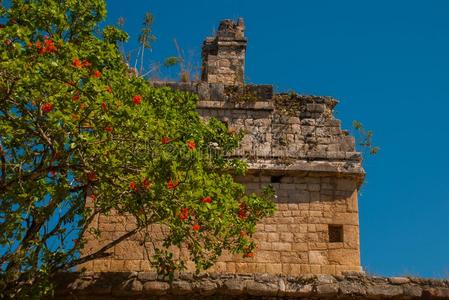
<point x="292" y="142"/>
<point x="249" y="286"/>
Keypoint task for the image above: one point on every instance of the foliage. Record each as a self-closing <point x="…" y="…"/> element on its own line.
<point x="74" y="122"/>
<point x="365" y="138"/>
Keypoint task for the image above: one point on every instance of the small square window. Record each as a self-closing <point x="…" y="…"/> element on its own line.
<point x="335" y="233"/>
<point x="276" y="179"/>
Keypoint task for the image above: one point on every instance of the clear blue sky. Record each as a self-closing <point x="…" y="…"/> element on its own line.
<point x="388" y="63"/>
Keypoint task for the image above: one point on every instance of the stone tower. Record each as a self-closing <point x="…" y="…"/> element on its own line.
<point x="292" y="142"/>
<point x="224" y="54"/>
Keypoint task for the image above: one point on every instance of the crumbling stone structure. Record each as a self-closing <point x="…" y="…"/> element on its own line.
<point x="224" y="54"/>
<point x="292" y="142"/>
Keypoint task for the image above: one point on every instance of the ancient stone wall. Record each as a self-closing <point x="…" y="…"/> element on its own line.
<point x="295" y="144"/>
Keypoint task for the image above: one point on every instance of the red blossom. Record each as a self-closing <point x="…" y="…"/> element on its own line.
<point x="133" y="186"/>
<point x="165" y="140"/>
<point x="146" y="183"/>
<point x="103" y="105"/>
<point x="137" y="99"/>
<point x="93" y="197"/>
<point x="109" y="89"/>
<point x="77" y="63"/>
<point x="48" y="46"/>
<point x="242" y="211"/>
<point x="91" y="176"/>
<point x="38" y="45"/>
<point x="171" y="185"/>
<point x="83" y="105"/>
<point x="47" y="107"/>
<point x="196" y="227"/>
<point x="108" y="128"/>
<point x="76" y="97"/>
<point x="52" y="173"/>
<point x="184" y="214"/>
<point x="96" y="74"/>
<point x="191" y="145"/>
<point x="250" y="254"/>
<point x="206" y="200"/>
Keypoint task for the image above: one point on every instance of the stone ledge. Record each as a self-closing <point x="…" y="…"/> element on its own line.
<point x="319" y="167"/>
<point x="256" y="105"/>
<point x="244" y="286"/>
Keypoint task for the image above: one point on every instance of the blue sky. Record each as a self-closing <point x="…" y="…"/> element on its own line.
<point x="388" y="64"/>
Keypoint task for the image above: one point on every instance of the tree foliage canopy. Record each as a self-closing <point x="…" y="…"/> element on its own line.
<point x="74" y="122"/>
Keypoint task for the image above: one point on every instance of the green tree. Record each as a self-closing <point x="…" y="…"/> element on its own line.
<point x="74" y="122"/>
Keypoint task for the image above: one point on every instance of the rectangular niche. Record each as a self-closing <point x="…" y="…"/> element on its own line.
<point x="335" y="233"/>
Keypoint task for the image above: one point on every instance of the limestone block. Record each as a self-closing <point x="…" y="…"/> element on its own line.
<point x="318" y="258"/>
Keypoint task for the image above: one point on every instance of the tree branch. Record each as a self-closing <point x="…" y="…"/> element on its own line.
<point x="3" y="160"/>
<point x="101" y="253"/>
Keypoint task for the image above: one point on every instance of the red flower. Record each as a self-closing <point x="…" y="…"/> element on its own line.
<point x="38" y="45"/>
<point x="109" y="89"/>
<point x="184" y="215"/>
<point x="83" y="105"/>
<point x="146" y="183"/>
<point x="165" y="140"/>
<point x="52" y="173"/>
<point x="103" y="106"/>
<point x="48" y="47"/>
<point x="91" y="176"/>
<point x="75" y="241"/>
<point x="171" y="185"/>
<point x="191" y="145"/>
<point x="47" y="107"/>
<point x="137" y="99"/>
<point x="242" y="211"/>
<point x="93" y="197"/>
<point x="196" y="227"/>
<point x="108" y="128"/>
<point x="77" y="63"/>
<point x="133" y="186"/>
<point x="250" y="254"/>
<point x="75" y="97"/>
<point x="96" y="74"/>
<point x="206" y="200"/>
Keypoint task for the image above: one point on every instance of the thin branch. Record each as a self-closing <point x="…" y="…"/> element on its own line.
<point x="101" y="253"/>
<point x="3" y="159"/>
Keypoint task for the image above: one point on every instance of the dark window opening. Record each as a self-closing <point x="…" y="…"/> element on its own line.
<point x="276" y="179"/>
<point x="335" y="233"/>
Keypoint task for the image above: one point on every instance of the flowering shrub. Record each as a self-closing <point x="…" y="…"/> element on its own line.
<point x="68" y="130"/>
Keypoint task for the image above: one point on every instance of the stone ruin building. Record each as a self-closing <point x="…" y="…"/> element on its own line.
<point x="294" y="143"/>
